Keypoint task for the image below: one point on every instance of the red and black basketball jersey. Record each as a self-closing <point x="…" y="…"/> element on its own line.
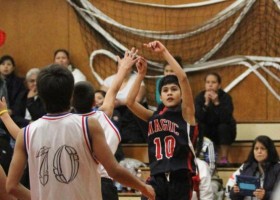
<point x="170" y="148"/>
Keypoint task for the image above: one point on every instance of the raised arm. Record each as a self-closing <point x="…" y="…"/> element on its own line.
<point x="131" y="101"/>
<point x="7" y="120"/>
<point x="124" y="66"/>
<point x="187" y="97"/>
<point x="104" y="155"/>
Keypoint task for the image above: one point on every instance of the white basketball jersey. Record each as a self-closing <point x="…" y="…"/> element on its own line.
<point x="60" y="161"/>
<point x="112" y="135"/>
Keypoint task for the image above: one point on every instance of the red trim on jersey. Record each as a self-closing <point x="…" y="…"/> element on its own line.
<point x="195" y="135"/>
<point x="163" y="110"/>
<point x="55" y="117"/>
<point x="85" y="133"/>
<point x="191" y="156"/>
<point x="27" y="138"/>
<point x="108" y="120"/>
<point x="86" y="136"/>
<point x="113" y="126"/>
<point x="89" y="114"/>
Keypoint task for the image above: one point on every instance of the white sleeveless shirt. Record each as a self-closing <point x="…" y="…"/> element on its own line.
<point x="61" y="165"/>
<point x="112" y="135"/>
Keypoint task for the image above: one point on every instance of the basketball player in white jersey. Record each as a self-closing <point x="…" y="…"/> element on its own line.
<point x="60" y="149"/>
<point x="83" y="101"/>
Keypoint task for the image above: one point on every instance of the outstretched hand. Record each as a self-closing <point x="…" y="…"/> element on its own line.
<point x="129" y="59"/>
<point x="156" y="46"/>
<point x="141" y="66"/>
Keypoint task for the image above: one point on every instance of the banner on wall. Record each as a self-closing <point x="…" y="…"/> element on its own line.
<point x="2" y="37"/>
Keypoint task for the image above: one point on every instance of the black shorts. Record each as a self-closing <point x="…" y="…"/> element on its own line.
<point x="177" y="187"/>
<point x="109" y="190"/>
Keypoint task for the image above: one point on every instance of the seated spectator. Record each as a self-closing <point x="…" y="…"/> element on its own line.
<point x="132" y="129"/>
<point x="29" y="106"/>
<point x="61" y="57"/>
<point x="214" y="113"/>
<point x="167" y="70"/>
<point x="262" y="162"/>
<point x="15" y="84"/>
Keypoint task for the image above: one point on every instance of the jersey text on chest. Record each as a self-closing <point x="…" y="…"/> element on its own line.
<point x="157" y="125"/>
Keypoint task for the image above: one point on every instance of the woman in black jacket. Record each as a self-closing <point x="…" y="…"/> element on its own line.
<point x="214" y="113"/>
<point x="262" y="162"/>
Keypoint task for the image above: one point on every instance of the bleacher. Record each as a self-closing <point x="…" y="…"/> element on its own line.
<point x="246" y="133"/>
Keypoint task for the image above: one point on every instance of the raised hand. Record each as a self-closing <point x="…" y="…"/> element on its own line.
<point x="129" y="59"/>
<point x="141" y="66"/>
<point x="156" y="46"/>
<point x="32" y="92"/>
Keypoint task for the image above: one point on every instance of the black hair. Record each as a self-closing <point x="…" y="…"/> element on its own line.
<point x="177" y="58"/>
<point x="7" y="57"/>
<point x="218" y="77"/>
<point x="169" y="79"/>
<point x="61" y="50"/>
<point x="55" y="86"/>
<point x="102" y="92"/>
<point x="272" y="155"/>
<point x="83" y="97"/>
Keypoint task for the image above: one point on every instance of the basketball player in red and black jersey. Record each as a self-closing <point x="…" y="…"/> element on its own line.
<point x="171" y="154"/>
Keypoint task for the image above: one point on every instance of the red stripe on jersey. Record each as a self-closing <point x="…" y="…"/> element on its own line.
<point x="89" y="114"/>
<point x="86" y="132"/>
<point x="27" y="138"/>
<point x="195" y="136"/>
<point x="55" y="117"/>
<point x="113" y="126"/>
<point x="191" y="155"/>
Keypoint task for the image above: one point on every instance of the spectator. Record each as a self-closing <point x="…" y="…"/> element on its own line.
<point x="15" y="84"/>
<point x="262" y="162"/>
<point x="62" y="57"/>
<point x="29" y="106"/>
<point x="214" y="113"/>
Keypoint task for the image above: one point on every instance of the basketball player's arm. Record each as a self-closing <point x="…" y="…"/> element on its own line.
<point x="124" y="67"/>
<point x="104" y="155"/>
<point x="131" y="102"/>
<point x="3" y="193"/>
<point x="187" y="98"/>
<point x="188" y="110"/>
<point x="7" y="120"/>
<point x="16" y="169"/>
